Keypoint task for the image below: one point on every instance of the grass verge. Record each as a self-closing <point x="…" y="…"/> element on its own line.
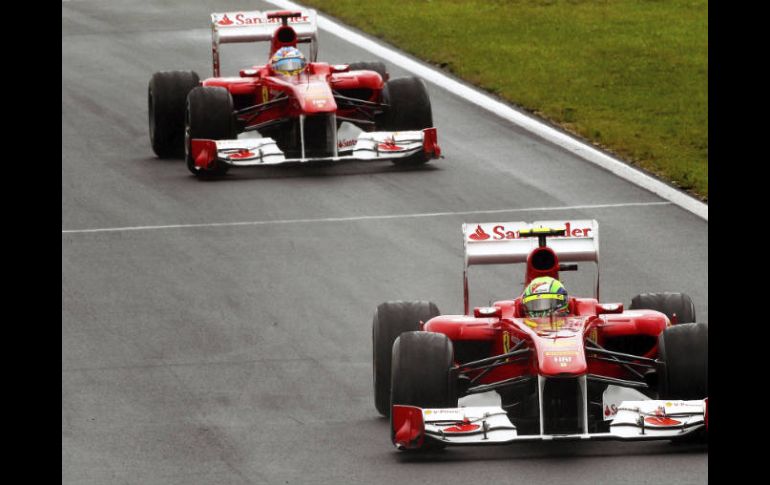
<point x="630" y="76"/>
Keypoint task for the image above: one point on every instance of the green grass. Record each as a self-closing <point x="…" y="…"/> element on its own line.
<point x="629" y="75"/>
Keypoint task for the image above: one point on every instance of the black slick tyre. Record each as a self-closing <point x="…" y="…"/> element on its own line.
<point x="670" y="304"/>
<point x="209" y="115"/>
<point x="409" y="109"/>
<point x="683" y="368"/>
<point x="376" y="66"/>
<point x="422" y="373"/>
<point x="390" y="320"/>
<point x="166" y="96"/>
<point x="683" y="357"/>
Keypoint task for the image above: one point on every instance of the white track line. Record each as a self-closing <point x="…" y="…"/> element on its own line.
<point x="587" y="152"/>
<point x="359" y="218"/>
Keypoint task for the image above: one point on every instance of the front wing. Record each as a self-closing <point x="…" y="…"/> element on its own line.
<point x="372" y="146"/>
<point x="412" y="427"/>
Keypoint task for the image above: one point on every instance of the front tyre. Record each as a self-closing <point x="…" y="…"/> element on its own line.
<point x="409" y="109"/>
<point x="166" y="95"/>
<point x="422" y="373"/>
<point x="683" y="368"/>
<point x="209" y="115"/>
<point x="683" y="356"/>
<point x="391" y="319"/>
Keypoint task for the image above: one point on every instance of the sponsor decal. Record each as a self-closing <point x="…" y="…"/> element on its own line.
<point x="296" y="20"/>
<point x="242" y="154"/>
<point x="225" y="20"/>
<point x="462" y="428"/>
<point x="479" y="234"/>
<point x="319" y="103"/>
<point x="265" y="94"/>
<point x="661" y="421"/>
<point x="500" y="233"/>
<point x="610" y="410"/>
<point x="563" y="357"/>
<point x="253" y="18"/>
<point x="389" y="144"/>
<point x="506" y="341"/>
<point x="440" y="411"/>
<point x="559" y="353"/>
<point x="242" y="19"/>
<point x="346" y="143"/>
<point x="541" y="287"/>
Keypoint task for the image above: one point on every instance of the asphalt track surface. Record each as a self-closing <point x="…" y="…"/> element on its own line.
<point x="216" y="353"/>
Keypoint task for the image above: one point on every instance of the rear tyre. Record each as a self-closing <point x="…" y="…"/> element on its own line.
<point x="422" y="376"/>
<point x="409" y="109"/>
<point x="166" y="95"/>
<point x="683" y="355"/>
<point x="670" y="304"/>
<point x="390" y="320"/>
<point x="376" y="66"/>
<point x="209" y="115"/>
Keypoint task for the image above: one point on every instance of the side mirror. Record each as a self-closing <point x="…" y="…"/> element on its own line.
<point x="487" y="312"/>
<point x="605" y="308"/>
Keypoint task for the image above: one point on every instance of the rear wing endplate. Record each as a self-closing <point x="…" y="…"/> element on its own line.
<point x="254" y="26"/>
<point x="501" y="243"/>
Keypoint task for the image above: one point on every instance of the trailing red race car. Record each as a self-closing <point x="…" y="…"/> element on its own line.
<point x="288" y="110"/>
<point x="544" y="365"/>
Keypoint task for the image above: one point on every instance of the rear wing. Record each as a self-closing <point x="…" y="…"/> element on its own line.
<point x="501" y="243"/>
<point x="255" y="26"/>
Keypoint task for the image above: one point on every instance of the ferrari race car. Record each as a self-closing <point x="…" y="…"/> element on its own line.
<point x="267" y="116"/>
<point x="499" y="375"/>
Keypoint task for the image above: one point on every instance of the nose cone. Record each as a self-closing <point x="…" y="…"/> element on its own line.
<point x="316" y="97"/>
<point x="561" y="356"/>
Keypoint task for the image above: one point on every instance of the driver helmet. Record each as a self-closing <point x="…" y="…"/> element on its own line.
<point x="288" y="61"/>
<point x="545" y="296"/>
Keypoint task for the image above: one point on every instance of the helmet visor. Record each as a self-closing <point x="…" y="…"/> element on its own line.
<point x="290" y="65"/>
<point x="543" y="304"/>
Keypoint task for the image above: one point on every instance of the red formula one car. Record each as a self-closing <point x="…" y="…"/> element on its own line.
<point x="507" y="373"/>
<point x="288" y="110"/>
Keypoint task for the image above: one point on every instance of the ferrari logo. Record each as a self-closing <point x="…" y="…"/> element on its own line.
<point x="506" y="342"/>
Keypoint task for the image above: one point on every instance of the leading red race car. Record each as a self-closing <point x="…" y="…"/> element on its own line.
<point x="288" y="110"/>
<point x="506" y="373"/>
